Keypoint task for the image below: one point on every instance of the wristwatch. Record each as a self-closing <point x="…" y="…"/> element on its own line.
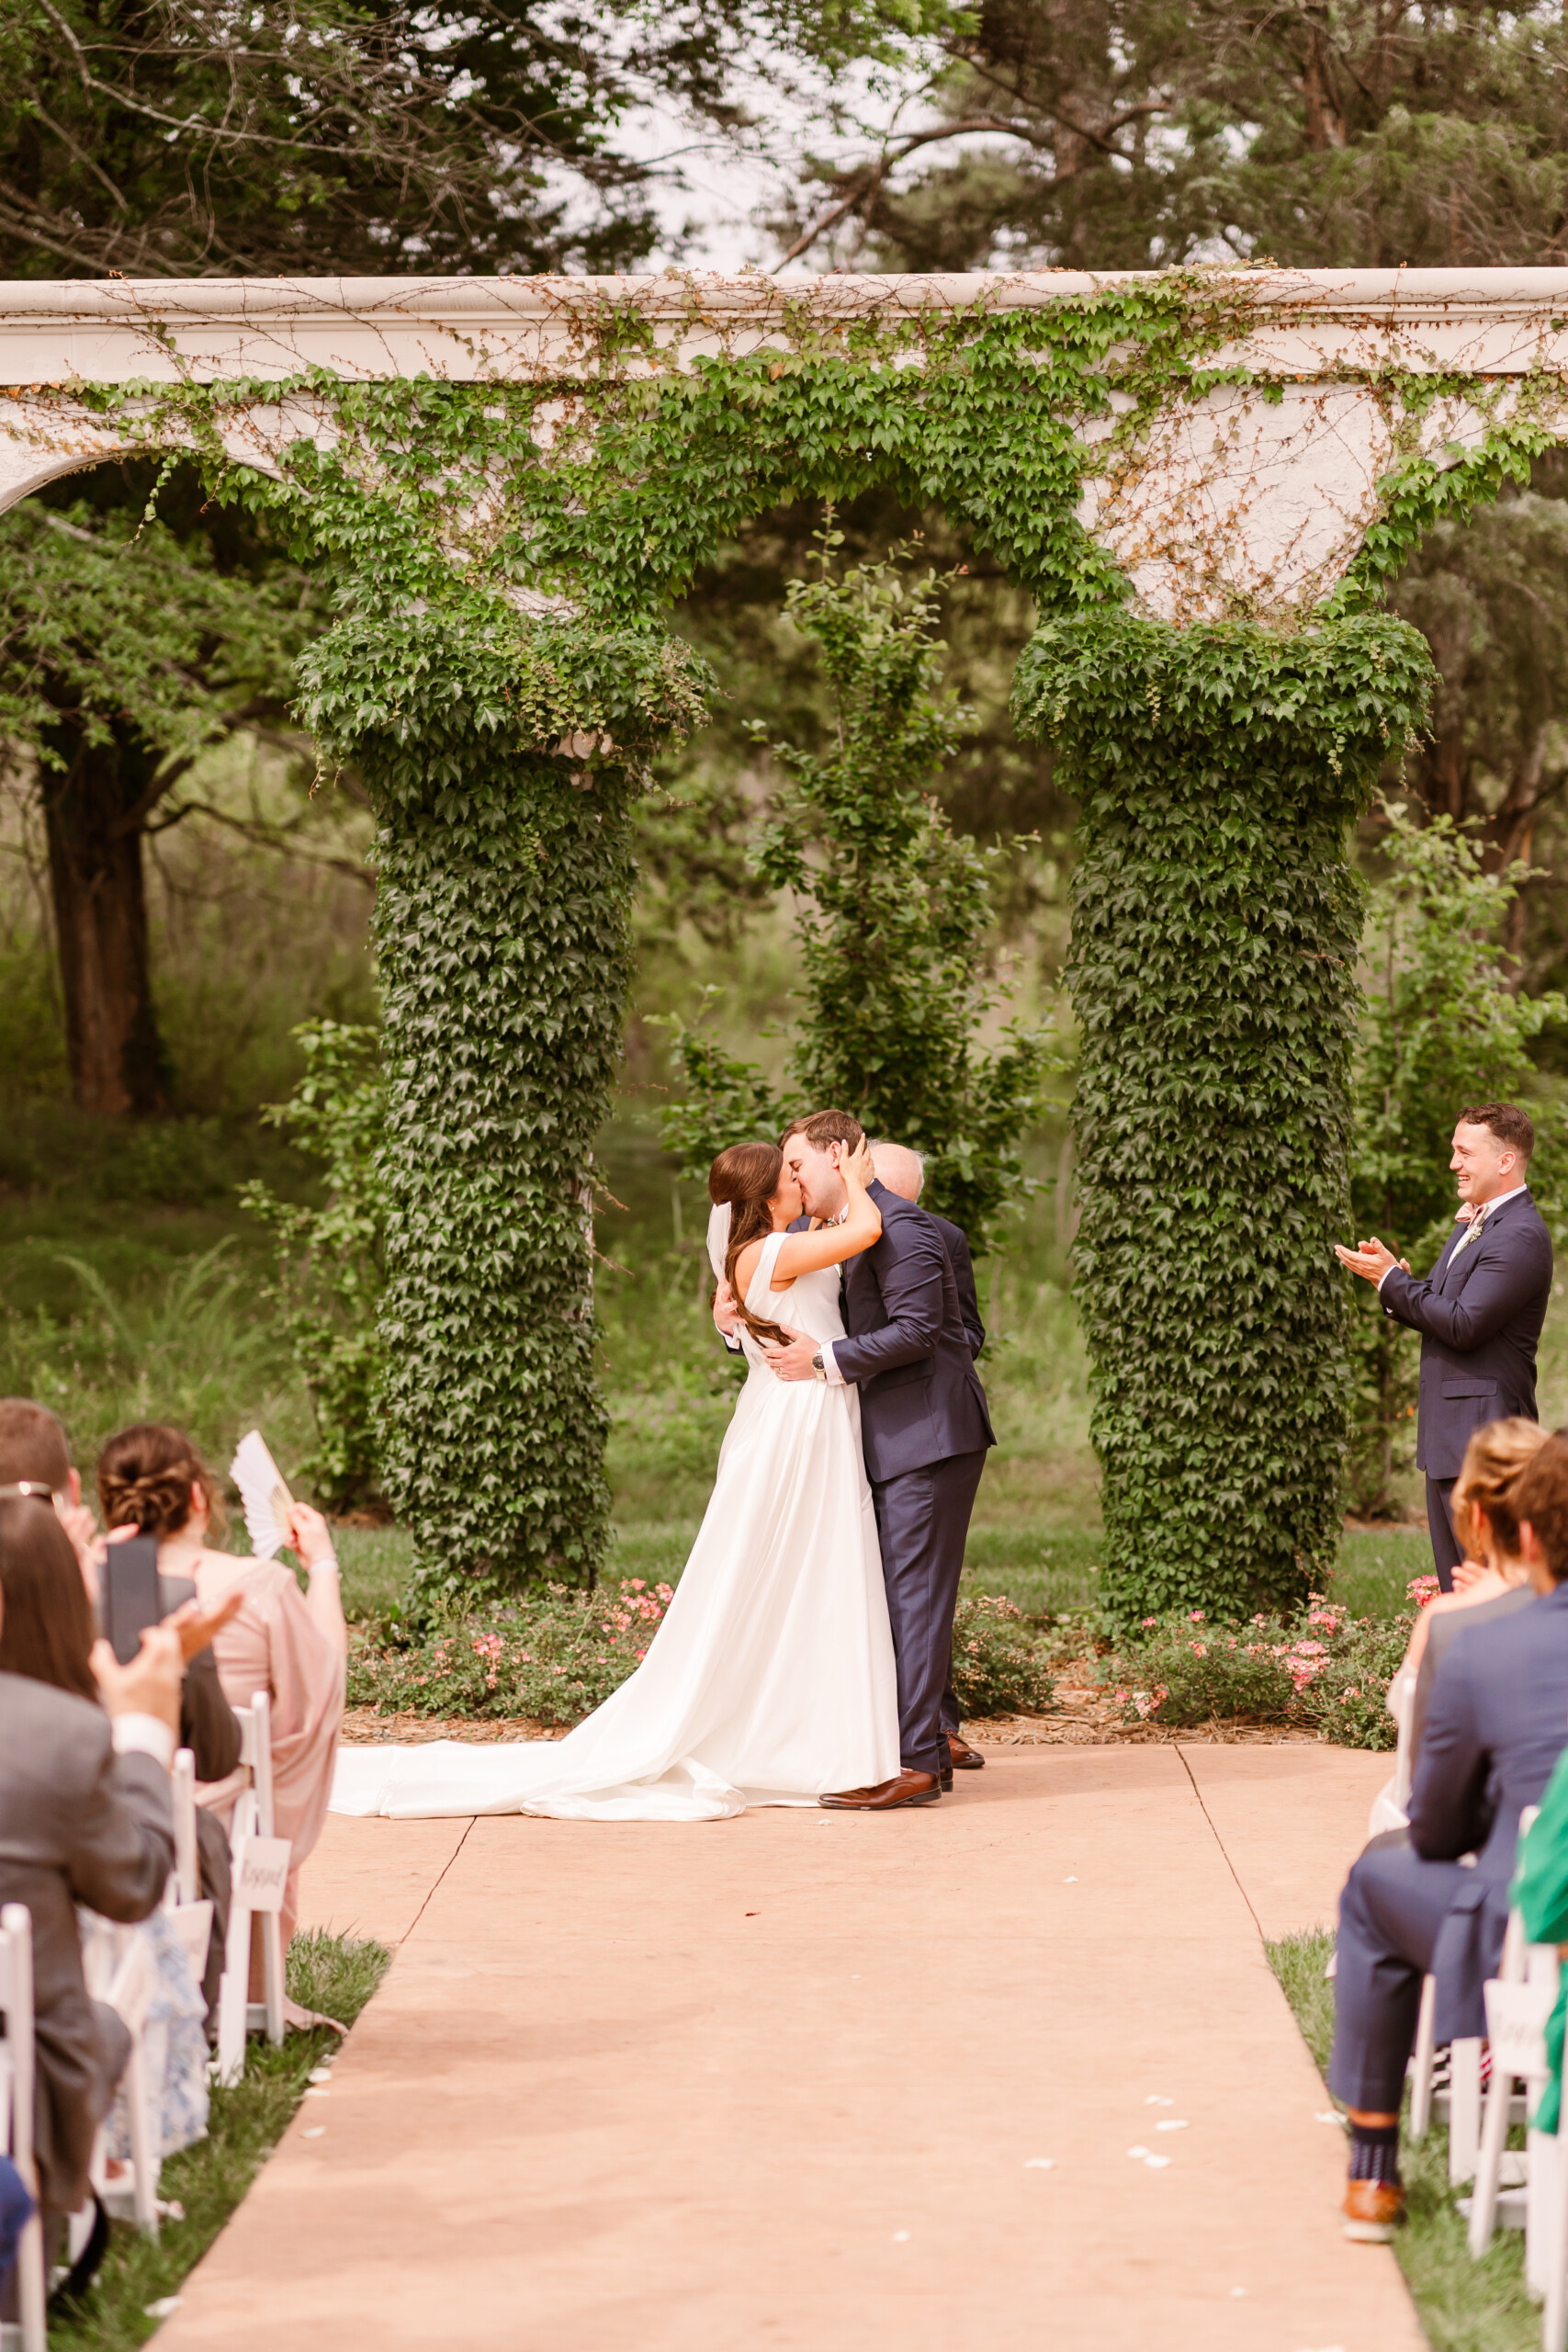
<point x="817" y="1366"/>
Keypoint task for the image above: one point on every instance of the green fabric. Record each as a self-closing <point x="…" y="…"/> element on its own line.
<point x="1540" y="1890"/>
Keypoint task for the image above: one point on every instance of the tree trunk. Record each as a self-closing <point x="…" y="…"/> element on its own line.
<point x="94" y="812"/>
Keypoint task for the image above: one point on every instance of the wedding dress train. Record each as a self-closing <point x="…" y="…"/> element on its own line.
<point x="771" y="1678"/>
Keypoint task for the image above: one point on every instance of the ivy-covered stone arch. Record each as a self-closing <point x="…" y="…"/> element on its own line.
<point x="510" y="528"/>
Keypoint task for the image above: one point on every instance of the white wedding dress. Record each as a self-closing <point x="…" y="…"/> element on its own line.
<point x="771" y="1678"/>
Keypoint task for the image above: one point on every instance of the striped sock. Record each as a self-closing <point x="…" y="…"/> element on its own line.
<point x="1375" y="2152"/>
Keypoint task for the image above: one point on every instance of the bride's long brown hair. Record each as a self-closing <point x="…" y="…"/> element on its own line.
<point x="747" y="1176"/>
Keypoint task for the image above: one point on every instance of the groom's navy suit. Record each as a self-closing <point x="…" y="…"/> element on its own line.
<point x="925" y="1431"/>
<point x="1478" y="1314"/>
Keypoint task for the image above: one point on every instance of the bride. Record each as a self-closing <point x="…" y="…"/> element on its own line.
<point x="771" y="1680"/>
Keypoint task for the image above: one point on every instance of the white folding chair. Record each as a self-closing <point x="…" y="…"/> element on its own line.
<point x="1460" y="2106"/>
<point x="16" y="2064"/>
<point x="129" y="1994"/>
<point x="1391" y="1805"/>
<point x="258" y="1876"/>
<point x="1554" y="2264"/>
<point x="190" y="1914"/>
<point x="1520" y="1999"/>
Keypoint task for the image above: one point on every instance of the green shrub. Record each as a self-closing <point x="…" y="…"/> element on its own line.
<point x="553" y="1657"/>
<point x="556" y="1655"/>
<point x="1321" y="1670"/>
<point x="998" y="1660"/>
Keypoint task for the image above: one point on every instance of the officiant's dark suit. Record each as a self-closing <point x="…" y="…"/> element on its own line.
<point x="1478" y="1314"/>
<point x="925" y="1431"/>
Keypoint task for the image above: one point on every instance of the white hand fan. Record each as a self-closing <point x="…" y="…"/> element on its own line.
<point x="267" y="1501"/>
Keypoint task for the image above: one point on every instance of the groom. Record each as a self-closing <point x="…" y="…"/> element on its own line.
<point x="924" y="1428"/>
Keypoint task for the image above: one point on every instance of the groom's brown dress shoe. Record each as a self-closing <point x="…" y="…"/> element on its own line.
<point x="1372" y="2210"/>
<point x="905" y="1788"/>
<point x="964" y="1758"/>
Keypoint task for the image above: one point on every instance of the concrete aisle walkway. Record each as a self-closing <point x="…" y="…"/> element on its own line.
<point x="781" y="2082"/>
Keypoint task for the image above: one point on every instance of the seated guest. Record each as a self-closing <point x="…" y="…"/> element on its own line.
<point x="85" y="1817"/>
<point x="1485" y="1523"/>
<point x="292" y="1644"/>
<point x="1497" y="1721"/>
<point x="33" y="1453"/>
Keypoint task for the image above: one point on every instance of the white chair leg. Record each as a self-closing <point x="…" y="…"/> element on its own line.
<point x="272" y="1968"/>
<point x="1464" y="2111"/>
<point x="1421" y="2070"/>
<point x="144" y="2166"/>
<point x="32" y="2288"/>
<point x="1540" y="2210"/>
<point x="1489" y="2160"/>
<point x="233" y="1999"/>
<point x="1554" y="2252"/>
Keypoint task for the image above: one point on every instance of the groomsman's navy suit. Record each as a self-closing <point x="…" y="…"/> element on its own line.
<point x="1495" y="1726"/>
<point x="925" y="1431"/>
<point x="1478" y="1314"/>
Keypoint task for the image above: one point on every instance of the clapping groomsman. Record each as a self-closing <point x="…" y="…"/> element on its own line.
<point x="1479" y="1310"/>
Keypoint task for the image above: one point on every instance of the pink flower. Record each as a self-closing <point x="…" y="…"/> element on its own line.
<point x="1148" y="1620"/>
<point x="1422" y="1589"/>
<point x="1196" y="1615"/>
<point x="1197" y="1649"/>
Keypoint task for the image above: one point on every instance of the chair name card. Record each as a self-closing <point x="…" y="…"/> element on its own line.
<point x="261" y="1871"/>
<point x="1515" y="2022"/>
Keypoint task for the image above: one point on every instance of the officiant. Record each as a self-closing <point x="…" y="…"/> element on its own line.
<point x="1479" y="1312"/>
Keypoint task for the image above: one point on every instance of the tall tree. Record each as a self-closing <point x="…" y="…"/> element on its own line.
<point x="1127" y="133"/>
<point x="1491" y="596"/>
<point x="314" y="137"/>
<point x="124" y="653"/>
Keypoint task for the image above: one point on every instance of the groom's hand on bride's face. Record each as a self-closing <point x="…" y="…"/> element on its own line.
<point x="794" y="1363"/>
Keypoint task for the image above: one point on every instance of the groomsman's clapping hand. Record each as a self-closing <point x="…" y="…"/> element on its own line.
<point x="1372" y="1261"/>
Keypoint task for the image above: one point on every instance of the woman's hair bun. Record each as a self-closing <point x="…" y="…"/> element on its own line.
<point x="145" y="1477"/>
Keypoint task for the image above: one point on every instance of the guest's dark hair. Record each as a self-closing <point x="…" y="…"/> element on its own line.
<point x="747" y="1176"/>
<point x="1484" y="1491"/>
<point x="32" y="1446"/>
<point x="1511" y="1126"/>
<point x="1540" y="1498"/>
<point x="145" y="1475"/>
<point x="46" y="1627"/>
<point x="824" y="1128"/>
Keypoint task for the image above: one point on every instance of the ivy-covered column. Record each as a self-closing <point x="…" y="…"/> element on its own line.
<point x="1215" y="923"/>
<point x="503" y="766"/>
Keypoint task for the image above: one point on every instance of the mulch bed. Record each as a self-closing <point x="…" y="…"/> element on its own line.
<point x="1083" y="1715"/>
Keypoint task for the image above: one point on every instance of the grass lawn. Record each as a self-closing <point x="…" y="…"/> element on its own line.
<point x="325" y="1972"/>
<point x="1464" y="2306"/>
<point x="129" y="1290"/>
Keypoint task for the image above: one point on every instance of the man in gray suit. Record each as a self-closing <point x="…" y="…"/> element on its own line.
<point x="85" y="1817"/>
<point x="33" y="1451"/>
<point x="1479" y="1312"/>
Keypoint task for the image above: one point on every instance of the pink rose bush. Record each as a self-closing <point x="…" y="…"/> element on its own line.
<point x="998" y="1660"/>
<point x="1323" y="1671"/>
<point x="553" y="1657"/>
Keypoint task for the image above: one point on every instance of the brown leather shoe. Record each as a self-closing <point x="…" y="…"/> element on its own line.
<point x="905" y="1788"/>
<point x="964" y="1758"/>
<point x="1372" y="2210"/>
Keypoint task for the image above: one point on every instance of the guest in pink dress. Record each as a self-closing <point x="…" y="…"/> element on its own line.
<point x="292" y="1644"/>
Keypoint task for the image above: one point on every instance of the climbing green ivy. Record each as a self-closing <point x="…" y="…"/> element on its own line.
<point x="507" y="554"/>
<point x="1215" y="923"/>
